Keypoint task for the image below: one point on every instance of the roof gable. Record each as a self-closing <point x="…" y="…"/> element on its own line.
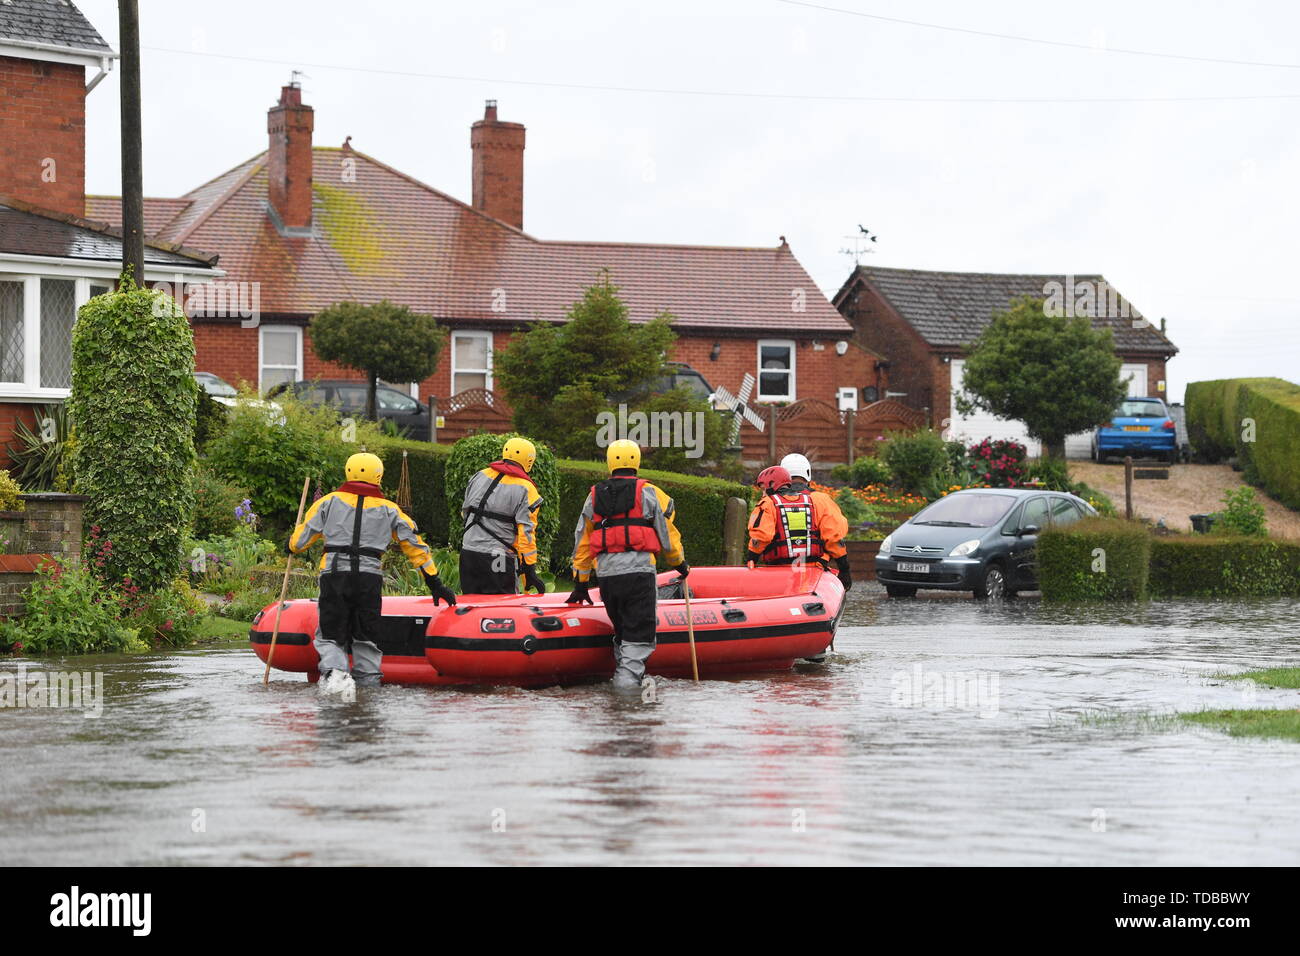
<point x="950" y="309"/>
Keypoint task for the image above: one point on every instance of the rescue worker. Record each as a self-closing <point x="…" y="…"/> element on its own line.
<point x="625" y="522"/>
<point x="500" y="515"/>
<point x="357" y="524"/>
<point x="790" y="524"/>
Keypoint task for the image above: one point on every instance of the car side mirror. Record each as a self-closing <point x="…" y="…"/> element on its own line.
<point x="1028" y="529"/>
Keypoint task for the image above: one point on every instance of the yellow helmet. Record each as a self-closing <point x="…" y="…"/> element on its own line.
<point x="623" y="454"/>
<point x="364" y="466"/>
<point x="521" y="451"/>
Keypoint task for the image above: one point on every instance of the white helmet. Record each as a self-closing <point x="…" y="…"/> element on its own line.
<point x="798" y="466"/>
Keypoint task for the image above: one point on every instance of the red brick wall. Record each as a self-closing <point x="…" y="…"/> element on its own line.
<point x="43" y="117"/>
<point x="10" y="414"/>
<point x="913" y="368"/>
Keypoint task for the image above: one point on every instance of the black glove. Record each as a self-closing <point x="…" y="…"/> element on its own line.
<point x="754" y="557"/>
<point x="579" y="595"/>
<point x="533" y="580"/>
<point x="846" y="578"/>
<point x="683" y="569"/>
<point x="439" y="590"/>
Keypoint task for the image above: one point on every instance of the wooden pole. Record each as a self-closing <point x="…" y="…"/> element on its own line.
<point x="690" y="630"/>
<point x="132" y="163"/>
<point x="771" y="434"/>
<point x="851" y="420"/>
<point x="284" y="588"/>
<point x="735" y="531"/>
<point x="1128" y="487"/>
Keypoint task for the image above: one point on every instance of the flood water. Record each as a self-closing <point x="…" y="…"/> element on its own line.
<point x="940" y="732"/>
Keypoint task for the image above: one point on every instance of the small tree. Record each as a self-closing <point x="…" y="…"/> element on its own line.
<point x="558" y="378"/>
<point x="133" y="398"/>
<point x="383" y="340"/>
<point x="1058" y="375"/>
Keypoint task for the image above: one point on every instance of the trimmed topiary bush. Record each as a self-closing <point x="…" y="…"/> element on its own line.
<point x="134" y="398"/>
<point x="474" y="453"/>
<point x="1097" y="559"/>
<point x="1224" y="567"/>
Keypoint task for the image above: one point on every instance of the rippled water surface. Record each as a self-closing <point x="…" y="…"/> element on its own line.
<point x="941" y="731"/>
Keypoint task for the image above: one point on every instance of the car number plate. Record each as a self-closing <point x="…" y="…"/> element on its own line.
<point x="1137" y="428"/>
<point x="913" y="568"/>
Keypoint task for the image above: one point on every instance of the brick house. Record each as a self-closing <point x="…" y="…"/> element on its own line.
<point x="926" y="321"/>
<point x="52" y="259"/>
<point x="306" y="226"/>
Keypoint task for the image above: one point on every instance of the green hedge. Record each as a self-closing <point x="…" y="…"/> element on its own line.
<point x="1215" y="413"/>
<point x="1070" y="568"/>
<point x="701" y="502"/>
<point x="1218" y="567"/>
<point x="426" y="464"/>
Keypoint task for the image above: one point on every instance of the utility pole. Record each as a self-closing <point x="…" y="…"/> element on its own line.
<point x="132" y="163"/>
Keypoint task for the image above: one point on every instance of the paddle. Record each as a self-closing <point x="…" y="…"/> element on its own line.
<point x="284" y="588"/>
<point x="690" y="629"/>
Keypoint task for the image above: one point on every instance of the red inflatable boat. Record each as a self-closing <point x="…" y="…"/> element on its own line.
<point x="746" y="621"/>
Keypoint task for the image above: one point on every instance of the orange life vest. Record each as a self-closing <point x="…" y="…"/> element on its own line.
<point x="796" y="534"/>
<point x="618" y="517"/>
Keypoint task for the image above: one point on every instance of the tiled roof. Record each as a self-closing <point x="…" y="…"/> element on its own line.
<point x="52" y="22"/>
<point x="29" y="231"/>
<point x="950" y="309"/>
<point x="158" y="213"/>
<point x="386" y="235"/>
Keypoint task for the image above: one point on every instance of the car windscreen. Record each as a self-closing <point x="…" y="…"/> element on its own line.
<point x="1138" y="408"/>
<point x="977" y="510"/>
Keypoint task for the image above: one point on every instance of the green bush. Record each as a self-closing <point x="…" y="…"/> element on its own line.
<point x="1209" y="566"/>
<point x="269" y="449"/>
<point x="1049" y="472"/>
<point x="133" y="399"/>
<point x="473" y="453"/>
<point x="700" y="509"/>
<point x="215" y="501"/>
<point x="1097" y="559"/>
<point x="9" y="493"/>
<point x="1241" y="514"/>
<point x="167" y="617"/>
<point x="919" y="461"/>
<point x="1273" y="406"/>
<point x="867" y="470"/>
<point x="70" y="611"/>
<point x="425" y="463"/>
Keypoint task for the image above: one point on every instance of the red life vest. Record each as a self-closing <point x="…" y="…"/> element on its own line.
<point x="618" y="517"/>
<point x="796" y="534"/>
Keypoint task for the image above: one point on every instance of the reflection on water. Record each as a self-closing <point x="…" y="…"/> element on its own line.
<point x="194" y="761"/>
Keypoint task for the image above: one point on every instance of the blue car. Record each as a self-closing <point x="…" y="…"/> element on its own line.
<point x="1141" y="427"/>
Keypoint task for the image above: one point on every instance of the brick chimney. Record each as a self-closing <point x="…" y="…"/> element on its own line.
<point x="43" y="133"/>
<point x="289" y="125"/>
<point x="498" y="176"/>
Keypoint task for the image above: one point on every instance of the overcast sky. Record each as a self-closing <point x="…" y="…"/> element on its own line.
<point x="1188" y="206"/>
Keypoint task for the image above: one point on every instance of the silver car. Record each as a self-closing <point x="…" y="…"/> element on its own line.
<point x="979" y="539"/>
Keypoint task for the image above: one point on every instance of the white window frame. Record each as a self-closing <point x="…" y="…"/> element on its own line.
<point x="455" y="369"/>
<point x="29" y="270"/>
<point x="793" y="346"/>
<point x="261" y="365"/>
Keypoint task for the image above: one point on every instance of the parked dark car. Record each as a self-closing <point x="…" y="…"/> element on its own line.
<point x="980" y="540"/>
<point x="677" y="375"/>
<point x="349" y="397"/>
<point x="1142" y="427"/>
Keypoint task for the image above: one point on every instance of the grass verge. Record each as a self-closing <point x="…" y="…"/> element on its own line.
<point x="222" y="629"/>
<point x="1284" y="677"/>
<point x="1283" y="724"/>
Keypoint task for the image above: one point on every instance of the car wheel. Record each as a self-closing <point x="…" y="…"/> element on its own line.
<point x="993" y="584"/>
<point x="900" y="590"/>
